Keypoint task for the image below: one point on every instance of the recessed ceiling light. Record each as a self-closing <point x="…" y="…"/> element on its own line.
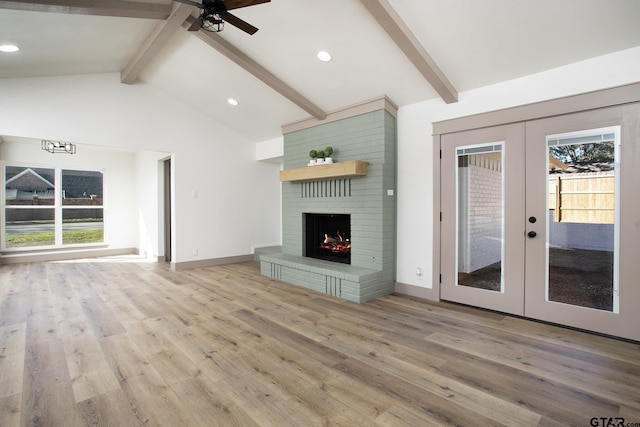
<point x="324" y="56"/>
<point x="9" y="48"/>
<point x="232" y="101"/>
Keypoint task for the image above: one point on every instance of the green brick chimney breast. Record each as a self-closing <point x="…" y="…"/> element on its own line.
<point x="371" y="202"/>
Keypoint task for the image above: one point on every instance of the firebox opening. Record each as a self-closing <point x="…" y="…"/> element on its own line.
<point x="328" y="237"/>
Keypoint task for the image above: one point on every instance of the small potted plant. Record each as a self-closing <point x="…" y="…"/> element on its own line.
<point x="328" y="151"/>
<point x="313" y="154"/>
<point x="320" y="159"/>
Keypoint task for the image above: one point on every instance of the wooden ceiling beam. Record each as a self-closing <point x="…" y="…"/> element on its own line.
<point x="257" y="70"/>
<point x="395" y="27"/>
<point x="118" y="8"/>
<point x="156" y="40"/>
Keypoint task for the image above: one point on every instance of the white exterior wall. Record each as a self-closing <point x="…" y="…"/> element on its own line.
<point x="481" y="234"/>
<point x="592" y="237"/>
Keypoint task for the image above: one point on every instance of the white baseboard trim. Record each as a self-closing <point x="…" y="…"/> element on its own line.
<point x="432" y="294"/>
<point x="211" y="262"/>
<point x="17" y="258"/>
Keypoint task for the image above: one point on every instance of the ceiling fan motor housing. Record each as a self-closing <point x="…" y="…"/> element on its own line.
<point x="215" y="7"/>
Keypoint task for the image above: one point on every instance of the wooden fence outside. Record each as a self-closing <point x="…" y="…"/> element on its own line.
<point x="583" y="198"/>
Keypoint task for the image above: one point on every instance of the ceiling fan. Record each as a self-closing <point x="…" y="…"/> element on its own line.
<point x="215" y="13"/>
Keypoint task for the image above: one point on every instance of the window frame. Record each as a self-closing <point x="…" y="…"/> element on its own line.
<point x="58" y="208"/>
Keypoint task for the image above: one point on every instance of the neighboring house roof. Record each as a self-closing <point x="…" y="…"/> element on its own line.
<point x="75" y="184"/>
<point x="29" y="180"/>
<point x="81" y="184"/>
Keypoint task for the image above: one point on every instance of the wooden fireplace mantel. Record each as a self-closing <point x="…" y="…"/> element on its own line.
<point x="333" y="170"/>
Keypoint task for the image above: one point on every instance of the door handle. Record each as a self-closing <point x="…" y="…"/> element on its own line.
<point x="532" y="234"/>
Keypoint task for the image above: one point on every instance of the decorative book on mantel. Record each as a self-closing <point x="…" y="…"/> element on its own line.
<point x="324" y="171"/>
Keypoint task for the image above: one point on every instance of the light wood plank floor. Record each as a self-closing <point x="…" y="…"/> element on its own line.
<point x="122" y="342"/>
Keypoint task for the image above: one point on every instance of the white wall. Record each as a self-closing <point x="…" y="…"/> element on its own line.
<point x="238" y="198"/>
<point x="415" y="143"/>
<point x="119" y="181"/>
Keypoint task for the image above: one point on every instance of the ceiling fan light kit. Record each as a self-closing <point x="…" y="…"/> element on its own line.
<point x="212" y="23"/>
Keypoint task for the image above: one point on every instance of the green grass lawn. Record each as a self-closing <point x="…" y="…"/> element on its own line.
<point x="88" y="236"/>
<point x="48" y="238"/>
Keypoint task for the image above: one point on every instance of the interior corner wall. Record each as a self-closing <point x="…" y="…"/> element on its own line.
<point x="224" y="201"/>
<point x="149" y="206"/>
<point x="416" y="219"/>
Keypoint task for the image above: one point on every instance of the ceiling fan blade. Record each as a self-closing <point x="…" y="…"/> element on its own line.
<point x="236" y="4"/>
<point x="237" y="22"/>
<point x="189" y="2"/>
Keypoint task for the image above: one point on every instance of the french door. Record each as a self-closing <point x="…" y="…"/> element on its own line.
<point x="482" y="218"/>
<point x="540" y="219"/>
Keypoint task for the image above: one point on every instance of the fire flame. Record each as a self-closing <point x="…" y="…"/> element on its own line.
<point x="336" y="244"/>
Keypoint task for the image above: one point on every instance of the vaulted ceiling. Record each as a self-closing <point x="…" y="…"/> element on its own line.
<point x="408" y="50"/>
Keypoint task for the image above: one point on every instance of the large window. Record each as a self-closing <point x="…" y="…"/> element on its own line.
<point x="51" y="207"/>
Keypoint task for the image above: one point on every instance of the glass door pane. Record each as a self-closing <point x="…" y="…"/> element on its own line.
<point x="82" y="207"/>
<point x="82" y="226"/>
<point x="28" y="228"/>
<point x="581" y="237"/>
<point x="29" y="213"/>
<point x="480" y="213"/>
